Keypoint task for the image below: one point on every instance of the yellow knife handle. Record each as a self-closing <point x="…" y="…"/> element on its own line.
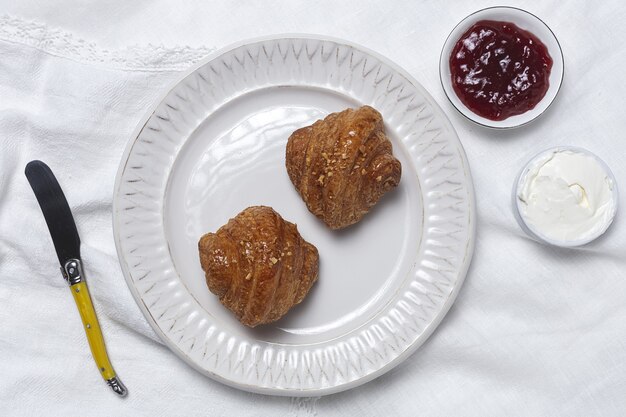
<point x="75" y="277"/>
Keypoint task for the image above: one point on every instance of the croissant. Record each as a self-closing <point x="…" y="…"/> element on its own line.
<point x="258" y="265"/>
<point x="342" y="165"/>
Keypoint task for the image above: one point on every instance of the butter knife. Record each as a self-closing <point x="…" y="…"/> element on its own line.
<point x="64" y="235"/>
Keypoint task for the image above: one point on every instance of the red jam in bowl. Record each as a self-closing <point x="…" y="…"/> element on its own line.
<point x="499" y="70"/>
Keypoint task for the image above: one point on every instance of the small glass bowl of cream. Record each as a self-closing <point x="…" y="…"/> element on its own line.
<point x="565" y="196"/>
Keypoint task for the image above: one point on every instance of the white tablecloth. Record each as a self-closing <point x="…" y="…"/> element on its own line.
<point x="535" y="331"/>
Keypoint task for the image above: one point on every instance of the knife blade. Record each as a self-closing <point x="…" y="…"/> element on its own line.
<point x="55" y="210"/>
<point x="66" y="242"/>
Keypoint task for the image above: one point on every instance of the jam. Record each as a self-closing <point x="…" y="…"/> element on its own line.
<point x="499" y="70"/>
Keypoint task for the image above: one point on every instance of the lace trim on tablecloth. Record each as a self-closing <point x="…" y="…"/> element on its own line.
<point x="61" y="43"/>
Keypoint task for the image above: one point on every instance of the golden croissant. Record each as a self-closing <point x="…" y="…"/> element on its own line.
<point x="258" y="265"/>
<point x="342" y="165"/>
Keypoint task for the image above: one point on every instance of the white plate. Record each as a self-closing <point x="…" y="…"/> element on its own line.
<point x="215" y="144"/>
<point x="526" y="21"/>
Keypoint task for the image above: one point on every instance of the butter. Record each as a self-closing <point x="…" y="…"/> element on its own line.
<point x="567" y="196"/>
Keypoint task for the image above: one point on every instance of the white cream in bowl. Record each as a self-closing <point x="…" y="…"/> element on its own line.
<point x="566" y="197"/>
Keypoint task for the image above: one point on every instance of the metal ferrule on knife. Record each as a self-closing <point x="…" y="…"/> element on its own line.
<point x="72" y="271"/>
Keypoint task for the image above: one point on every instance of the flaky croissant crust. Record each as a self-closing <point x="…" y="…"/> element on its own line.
<point x="342" y="165"/>
<point x="258" y="265"/>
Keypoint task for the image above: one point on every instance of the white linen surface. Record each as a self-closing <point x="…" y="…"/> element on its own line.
<point x="535" y="331"/>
